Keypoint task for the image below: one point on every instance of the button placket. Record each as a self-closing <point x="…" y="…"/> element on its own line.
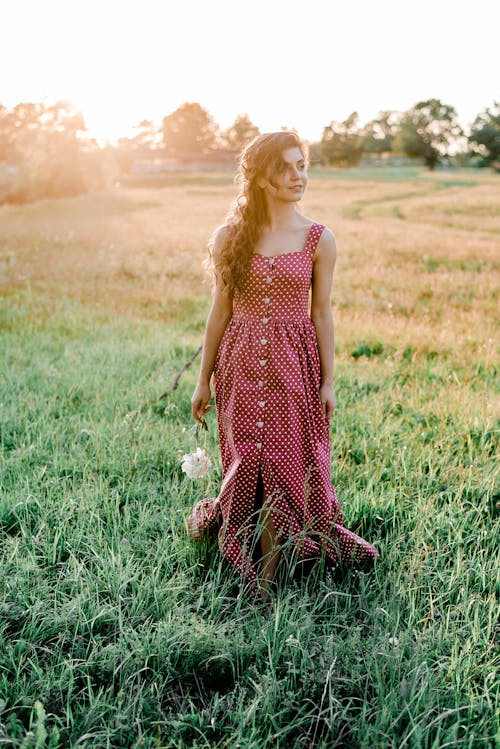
<point x="266" y="300"/>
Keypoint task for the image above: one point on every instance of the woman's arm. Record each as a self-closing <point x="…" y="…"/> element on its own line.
<point x="321" y="315"/>
<point x="220" y="313"/>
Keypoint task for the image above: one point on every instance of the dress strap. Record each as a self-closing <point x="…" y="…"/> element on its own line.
<point x="312" y="240"/>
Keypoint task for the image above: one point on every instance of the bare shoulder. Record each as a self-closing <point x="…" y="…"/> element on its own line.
<point x="219" y="237"/>
<point x="221" y="232"/>
<point x="327" y="245"/>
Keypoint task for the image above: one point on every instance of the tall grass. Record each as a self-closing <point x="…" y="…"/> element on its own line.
<point x="117" y="631"/>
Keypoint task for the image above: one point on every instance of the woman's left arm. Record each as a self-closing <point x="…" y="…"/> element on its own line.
<point x="321" y="315"/>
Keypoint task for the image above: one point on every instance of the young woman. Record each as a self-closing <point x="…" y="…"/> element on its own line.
<point x="271" y="356"/>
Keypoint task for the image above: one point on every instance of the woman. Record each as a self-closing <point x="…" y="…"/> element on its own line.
<point x="271" y="357"/>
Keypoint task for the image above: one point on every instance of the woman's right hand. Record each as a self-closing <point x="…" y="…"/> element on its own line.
<point x="200" y="401"/>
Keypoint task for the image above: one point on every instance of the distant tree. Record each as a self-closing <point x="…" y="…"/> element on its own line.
<point x="144" y="143"/>
<point x="378" y="134"/>
<point x="428" y="130"/>
<point x="18" y="128"/>
<point x="241" y="132"/>
<point x="484" y="138"/>
<point x="341" y="143"/>
<point x="44" y="144"/>
<point x="315" y="155"/>
<point x="148" y="137"/>
<point x="189" y="130"/>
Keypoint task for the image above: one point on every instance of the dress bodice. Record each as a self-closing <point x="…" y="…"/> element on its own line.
<point x="276" y="289"/>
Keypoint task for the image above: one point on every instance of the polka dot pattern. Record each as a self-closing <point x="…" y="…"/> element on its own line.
<point x="270" y="420"/>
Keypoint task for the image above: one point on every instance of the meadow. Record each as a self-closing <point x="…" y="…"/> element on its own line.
<point x="116" y="630"/>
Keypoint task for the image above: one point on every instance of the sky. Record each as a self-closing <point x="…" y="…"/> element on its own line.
<point x="285" y="63"/>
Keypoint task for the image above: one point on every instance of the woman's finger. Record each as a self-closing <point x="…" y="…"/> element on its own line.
<point x="200" y="408"/>
<point x="196" y="409"/>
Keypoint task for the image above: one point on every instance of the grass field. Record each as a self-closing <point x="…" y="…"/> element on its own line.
<point x="115" y="629"/>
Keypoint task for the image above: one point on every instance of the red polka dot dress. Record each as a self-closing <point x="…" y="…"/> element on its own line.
<point x="271" y="422"/>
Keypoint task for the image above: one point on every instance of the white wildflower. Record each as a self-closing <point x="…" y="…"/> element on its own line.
<point x="195" y="465"/>
<point x="393" y="641"/>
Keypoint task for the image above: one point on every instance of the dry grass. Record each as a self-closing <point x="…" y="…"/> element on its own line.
<point x="417" y="258"/>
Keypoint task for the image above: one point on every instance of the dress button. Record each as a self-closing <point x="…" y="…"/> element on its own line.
<point x="261" y="383"/>
<point x="263" y="362"/>
<point x="262" y="404"/>
<point x="271" y="261"/>
<point x="265" y="320"/>
<point x="260" y="424"/>
<point x="266" y="300"/>
<point x="263" y="341"/>
<point x="269" y="279"/>
<point x="259" y="445"/>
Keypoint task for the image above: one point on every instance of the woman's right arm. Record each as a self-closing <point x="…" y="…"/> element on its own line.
<point x="218" y="318"/>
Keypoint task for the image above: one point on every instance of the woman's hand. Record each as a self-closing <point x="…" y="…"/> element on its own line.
<point x="328" y="400"/>
<point x="200" y="401"/>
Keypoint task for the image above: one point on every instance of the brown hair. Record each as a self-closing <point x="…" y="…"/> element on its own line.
<point x="262" y="157"/>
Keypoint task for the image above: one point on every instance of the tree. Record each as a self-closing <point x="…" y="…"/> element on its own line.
<point x="19" y="127"/>
<point x="43" y="143"/>
<point x="341" y="143"/>
<point x="147" y="140"/>
<point x="241" y="132"/>
<point x="484" y="138"/>
<point x="315" y="155"/>
<point x="188" y="131"/>
<point x="379" y="134"/>
<point x="148" y="137"/>
<point x="428" y="130"/>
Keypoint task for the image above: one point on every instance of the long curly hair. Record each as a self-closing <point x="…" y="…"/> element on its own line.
<point x="249" y="214"/>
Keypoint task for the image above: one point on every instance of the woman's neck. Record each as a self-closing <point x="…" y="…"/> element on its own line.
<point x="282" y="215"/>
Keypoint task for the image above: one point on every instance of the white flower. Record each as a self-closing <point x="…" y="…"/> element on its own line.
<point x="195" y="465"/>
<point x="393" y="641"/>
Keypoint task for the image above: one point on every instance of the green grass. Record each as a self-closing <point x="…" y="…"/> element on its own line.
<point x="118" y="631"/>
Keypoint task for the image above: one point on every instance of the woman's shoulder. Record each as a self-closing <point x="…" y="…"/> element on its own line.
<point x="309" y="222"/>
<point x="221" y="232"/>
<point x="327" y="243"/>
<point x="219" y="237"/>
<point x="327" y="236"/>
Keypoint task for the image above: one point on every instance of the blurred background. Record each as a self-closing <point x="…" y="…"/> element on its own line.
<point x="103" y="91"/>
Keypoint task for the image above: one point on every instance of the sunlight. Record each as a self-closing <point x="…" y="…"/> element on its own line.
<point x="120" y="63"/>
<point x="106" y="125"/>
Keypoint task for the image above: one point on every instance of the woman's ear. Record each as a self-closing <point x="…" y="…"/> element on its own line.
<point x="262" y="182"/>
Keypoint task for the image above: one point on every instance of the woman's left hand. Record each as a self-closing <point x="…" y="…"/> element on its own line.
<point x="328" y="400"/>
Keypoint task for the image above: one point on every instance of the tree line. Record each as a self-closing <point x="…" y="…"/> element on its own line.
<point x="44" y="151"/>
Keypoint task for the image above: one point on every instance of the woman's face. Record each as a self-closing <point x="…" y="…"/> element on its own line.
<point x="289" y="182"/>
